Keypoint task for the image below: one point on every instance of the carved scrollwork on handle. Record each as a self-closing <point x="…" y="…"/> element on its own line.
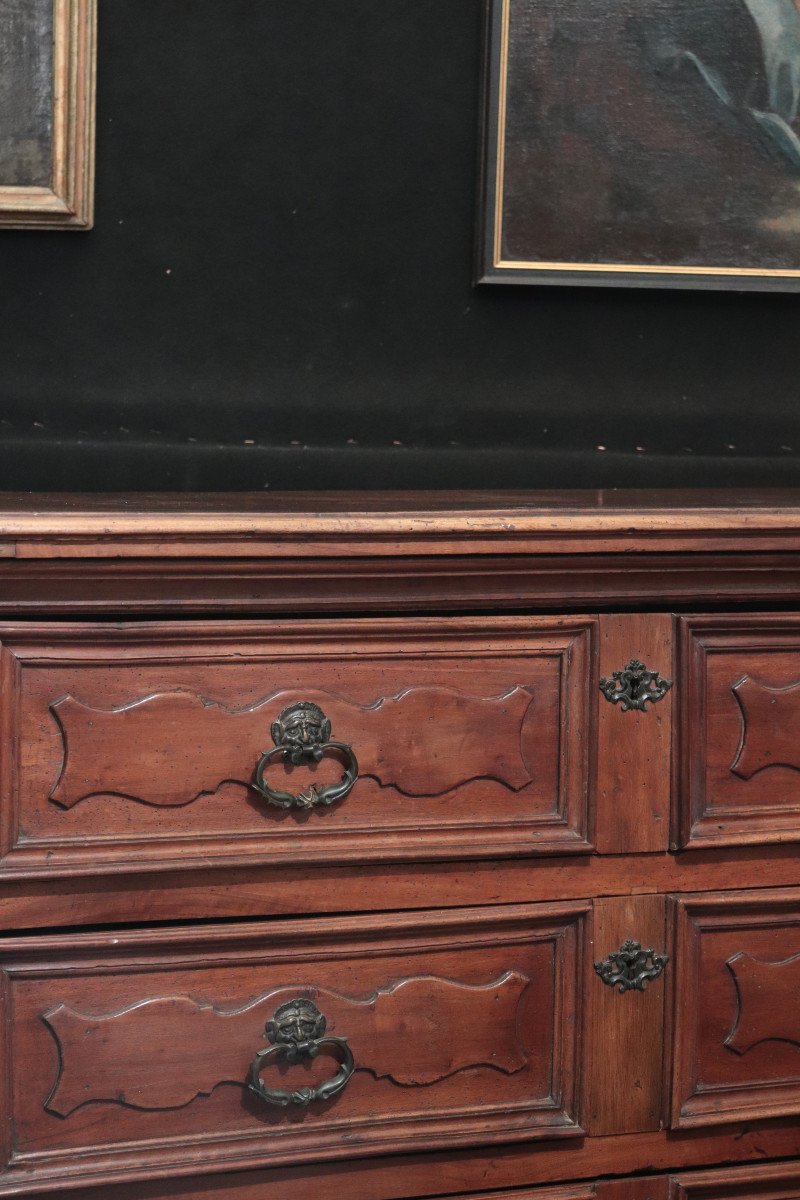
<point x="631" y="967"/>
<point x="297" y="1034"/>
<point x="302" y="735"/>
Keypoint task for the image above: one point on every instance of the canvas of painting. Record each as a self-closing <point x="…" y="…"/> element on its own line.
<point x="643" y="142"/>
<point x="26" y="92"/>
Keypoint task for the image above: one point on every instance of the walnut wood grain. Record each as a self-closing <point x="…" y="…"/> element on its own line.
<point x="765" y="1181"/>
<point x="634" y="748"/>
<point x="740" y="723"/>
<point x="170" y="748"/>
<point x="250" y="892"/>
<point x="626" y="1086"/>
<point x="764" y="992"/>
<point x="770" y="727"/>
<point x="509" y="698"/>
<point x="410" y="1032"/>
<point x="728" y="1063"/>
<point x="468" y="1025"/>
<point x="143" y="586"/>
<point x="727" y="1039"/>
<point x="339" y="523"/>
<point x="512" y="1173"/>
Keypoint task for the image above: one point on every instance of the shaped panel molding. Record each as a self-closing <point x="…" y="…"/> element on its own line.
<point x="737" y="1036"/>
<point x="171" y="748"/>
<point x="740" y="730"/>
<point x="415" y="1033"/>
<point x="770" y="727"/>
<point x="133" y="1050"/>
<point x="764" y="991"/>
<point x="131" y="748"/>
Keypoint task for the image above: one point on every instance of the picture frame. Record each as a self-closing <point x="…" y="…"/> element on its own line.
<point x="645" y="143"/>
<point x="48" y="51"/>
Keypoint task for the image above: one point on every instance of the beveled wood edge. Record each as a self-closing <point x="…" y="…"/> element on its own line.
<point x="26" y="1175"/>
<point x="759" y="1175"/>
<point x="135" y="586"/>
<point x="54" y="862"/>
<point x="533" y="919"/>
<point x="264" y="891"/>
<point x="332" y="524"/>
<point x="518" y="1170"/>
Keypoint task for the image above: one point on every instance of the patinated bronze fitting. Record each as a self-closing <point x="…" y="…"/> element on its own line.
<point x="297" y="1034"/>
<point x="633" y="686"/>
<point x="631" y="967"/>
<point x="302" y="735"/>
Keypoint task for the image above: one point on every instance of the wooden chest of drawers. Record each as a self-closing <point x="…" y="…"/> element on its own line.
<point x="400" y="846"/>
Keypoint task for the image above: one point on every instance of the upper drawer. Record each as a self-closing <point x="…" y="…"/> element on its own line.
<point x="740" y="731"/>
<point x="132" y="747"/>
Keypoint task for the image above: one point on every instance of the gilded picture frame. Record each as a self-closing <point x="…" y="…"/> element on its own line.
<point x="644" y="143"/>
<point x="48" y="52"/>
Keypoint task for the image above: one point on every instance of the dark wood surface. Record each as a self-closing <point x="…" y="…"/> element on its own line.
<point x="136" y="745"/>
<point x="737" y="1028"/>
<point x="510" y="828"/>
<point x="465" y="1029"/>
<point x="741" y="715"/>
<point x="773" y="1181"/>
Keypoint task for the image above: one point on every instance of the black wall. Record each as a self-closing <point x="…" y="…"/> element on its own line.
<point x="278" y="291"/>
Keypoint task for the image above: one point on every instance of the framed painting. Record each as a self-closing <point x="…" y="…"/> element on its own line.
<point x="47" y="113"/>
<point x="642" y="143"/>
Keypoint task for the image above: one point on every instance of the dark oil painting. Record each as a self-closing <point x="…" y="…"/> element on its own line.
<point x="643" y="142"/>
<point x="26" y="92"/>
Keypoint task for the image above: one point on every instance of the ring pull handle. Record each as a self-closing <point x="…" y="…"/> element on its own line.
<point x="297" y="1034"/>
<point x="302" y="734"/>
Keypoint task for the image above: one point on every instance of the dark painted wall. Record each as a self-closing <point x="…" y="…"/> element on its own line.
<point x="278" y="288"/>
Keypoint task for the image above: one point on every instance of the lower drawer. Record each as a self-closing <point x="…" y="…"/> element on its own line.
<point x="736" y="976"/>
<point x="141" y="1053"/>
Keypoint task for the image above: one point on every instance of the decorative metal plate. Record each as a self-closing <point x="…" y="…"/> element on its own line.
<point x="634" y="685"/>
<point x="630" y="967"/>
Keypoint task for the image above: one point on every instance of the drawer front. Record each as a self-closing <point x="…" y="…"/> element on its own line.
<point x="133" y="1052"/>
<point x="741" y="729"/>
<point x="136" y="747"/>
<point x="737" y="1032"/>
<point x="773" y="1181"/>
<point x="770" y="1181"/>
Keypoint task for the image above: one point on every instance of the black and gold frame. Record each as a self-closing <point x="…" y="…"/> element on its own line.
<point x="642" y="143"/>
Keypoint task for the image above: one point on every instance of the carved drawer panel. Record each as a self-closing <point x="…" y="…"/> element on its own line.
<point x="741" y="729"/>
<point x="139" y="746"/>
<point x="737" y="1022"/>
<point x="138" y="1053"/>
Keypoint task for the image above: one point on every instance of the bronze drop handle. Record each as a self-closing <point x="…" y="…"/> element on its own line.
<point x="297" y="1034"/>
<point x="302" y="735"/>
